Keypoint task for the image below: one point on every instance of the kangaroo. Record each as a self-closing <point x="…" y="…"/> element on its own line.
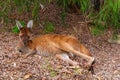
<point x="60" y="46"/>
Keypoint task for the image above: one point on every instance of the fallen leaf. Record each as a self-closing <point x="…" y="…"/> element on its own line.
<point x="28" y="75"/>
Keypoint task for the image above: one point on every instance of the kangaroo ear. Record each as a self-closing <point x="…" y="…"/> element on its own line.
<point x="30" y="24"/>
<point x="19" y="25"/>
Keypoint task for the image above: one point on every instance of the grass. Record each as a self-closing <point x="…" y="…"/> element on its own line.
<point x="15" y="28"/>
<point x="109" y="14"/>
<point x="96" y="30"/>
<point x="48" y="27"/>
<point x="63" y="17"/>
<point x="19" y="7"/>
<point x="76" y="4"/>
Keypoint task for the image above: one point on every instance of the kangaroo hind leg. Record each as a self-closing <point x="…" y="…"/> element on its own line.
<point x="82" y="52"/>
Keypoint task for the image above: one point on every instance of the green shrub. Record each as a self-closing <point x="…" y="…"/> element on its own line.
<point x="9" y="7"/>
<point x="48" y="27"/>
<point x="96" y="30"/>
<point x="15" y="28"/>
<point x="109" y="15"/>
<point x="63" y="17"/>
<point x="80" y="4"/>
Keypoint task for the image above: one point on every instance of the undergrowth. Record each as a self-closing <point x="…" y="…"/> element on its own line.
<point x="48" y="27"/>
<point x="19" y="7"/>
<point x="108" y="15"/>
<point x="15" y="28"/>
<point x="76" y="4"/>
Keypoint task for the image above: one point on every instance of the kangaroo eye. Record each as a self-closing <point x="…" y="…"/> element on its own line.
<point x="28" y="37"/>
<point x="21" y="36"/>
<point x="20" y="50"/>
<point x="25" y="43"/>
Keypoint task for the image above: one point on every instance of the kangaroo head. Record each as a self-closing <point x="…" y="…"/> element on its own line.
<point x="24" y="35"/>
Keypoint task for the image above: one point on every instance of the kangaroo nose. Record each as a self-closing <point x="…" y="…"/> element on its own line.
<point x="20" y="50"/>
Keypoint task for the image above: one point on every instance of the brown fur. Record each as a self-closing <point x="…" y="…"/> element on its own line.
<point x="55" y="45"/>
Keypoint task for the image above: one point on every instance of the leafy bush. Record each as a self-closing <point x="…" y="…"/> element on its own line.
<point x="63" y="17"/>
<point x="48" y="27"/>
<point x="80" y="4"/>
<point x="109" y="15"/>
<point x="15" y="28"/>
<point x="15" y="7"/>
<point x="96" y="30"/>
<point x="73" y="6"/>
<point x="5" y="9"/>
